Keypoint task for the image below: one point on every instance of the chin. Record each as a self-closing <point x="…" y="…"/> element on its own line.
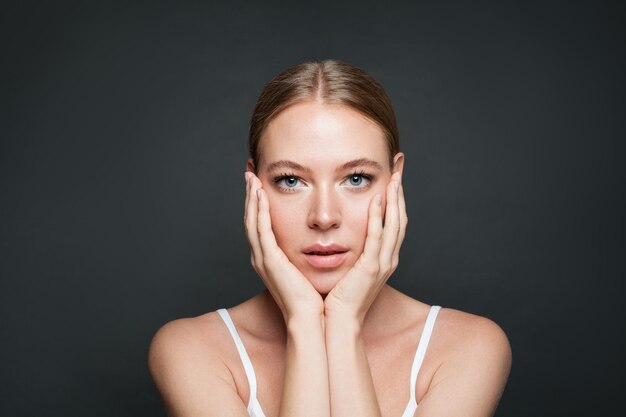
<point x="324" y="282"/>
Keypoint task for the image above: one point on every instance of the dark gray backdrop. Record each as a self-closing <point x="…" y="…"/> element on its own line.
<point x="123" y="144"/>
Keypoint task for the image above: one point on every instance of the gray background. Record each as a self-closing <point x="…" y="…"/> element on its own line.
<point x="123" y="143"/>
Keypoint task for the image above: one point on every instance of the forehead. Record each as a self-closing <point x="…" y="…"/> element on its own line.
<point x="319" y="134"/>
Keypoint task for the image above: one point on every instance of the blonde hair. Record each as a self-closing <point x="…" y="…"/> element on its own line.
<point x="330" y="81"/>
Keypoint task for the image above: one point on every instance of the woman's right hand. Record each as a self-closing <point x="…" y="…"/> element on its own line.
<point x="292" y="292"/>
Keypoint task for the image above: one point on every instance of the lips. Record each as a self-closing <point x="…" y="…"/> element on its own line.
<point x="325" y="256"/>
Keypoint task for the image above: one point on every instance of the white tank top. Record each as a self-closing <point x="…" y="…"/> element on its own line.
<point x="254" y="408"/>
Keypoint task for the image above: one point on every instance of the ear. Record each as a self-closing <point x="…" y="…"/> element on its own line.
<point x="398" y="163"/>
<point x="250" y="166"/>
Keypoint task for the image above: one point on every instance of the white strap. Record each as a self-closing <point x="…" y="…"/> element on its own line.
<point x="421" y="347"/>
<point x="245" y="359"/>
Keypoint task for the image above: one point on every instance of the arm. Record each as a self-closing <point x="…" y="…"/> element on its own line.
<point x="352" y="391"/>
<point x="351" y="386"/>
<point x="305" y="388"/>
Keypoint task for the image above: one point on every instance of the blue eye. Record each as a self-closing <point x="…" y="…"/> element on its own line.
<point x="290" y="182"/>
<point x="356" y="180"/>
<point x="359" y="181"/>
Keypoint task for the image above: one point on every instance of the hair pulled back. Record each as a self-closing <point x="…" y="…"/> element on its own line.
<point x="332" y="82"/>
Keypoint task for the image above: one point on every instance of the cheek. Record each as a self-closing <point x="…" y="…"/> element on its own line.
<point x="360" y="213"/>
<point x="285" y="223"/>
<point x="356" y="220"/>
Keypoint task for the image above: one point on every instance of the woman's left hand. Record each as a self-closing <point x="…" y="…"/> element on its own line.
<point x="354" y="293"/>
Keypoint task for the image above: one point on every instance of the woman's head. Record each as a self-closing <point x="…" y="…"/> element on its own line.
<point x="321" y="151"/>
<point x="330" y="82"/>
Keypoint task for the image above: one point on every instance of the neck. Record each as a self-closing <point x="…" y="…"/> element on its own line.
<point x="376" y="323"/>
<point x="387" y="305"/>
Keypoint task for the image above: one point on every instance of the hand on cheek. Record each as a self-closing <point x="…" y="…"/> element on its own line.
<point x="293" y="293"/>
<point x="353" y="295"/>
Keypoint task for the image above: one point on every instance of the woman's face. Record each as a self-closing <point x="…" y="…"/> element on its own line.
<point x="321" y="165"/>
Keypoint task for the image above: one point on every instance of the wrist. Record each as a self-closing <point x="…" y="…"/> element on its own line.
<point x="304" y="325"/>
<point x="343" y="314"/>
<point x="348" y="326"/>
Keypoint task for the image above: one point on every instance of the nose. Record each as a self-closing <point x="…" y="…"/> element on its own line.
<point x="324" y="209"/>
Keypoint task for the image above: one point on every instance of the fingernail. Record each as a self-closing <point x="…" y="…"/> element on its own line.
<point x="378" y="199"/>
<point x="258" y="193"/>
<point x="396" y="185"/>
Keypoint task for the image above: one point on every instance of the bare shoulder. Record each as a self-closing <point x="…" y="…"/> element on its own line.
<point x="473" y="361"/>
<point x="466" y="334"/>
<point x="193" y="338"/>
<point x="188" y="346"/>
<point x="188" y="362"/>
<point x="456" y="333"/>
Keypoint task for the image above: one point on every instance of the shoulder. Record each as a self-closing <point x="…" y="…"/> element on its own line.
<point x="189" y="334"/>
<point x="188" y="361"/>
<point x="455" y="332"/>
<point x="473" y="364"/>
<point x="468" y="335"/>
<point x="185" y="343"/>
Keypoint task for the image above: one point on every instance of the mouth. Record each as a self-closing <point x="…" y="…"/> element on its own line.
<point x="325" y="256"/>
<point x="323" y="253"/>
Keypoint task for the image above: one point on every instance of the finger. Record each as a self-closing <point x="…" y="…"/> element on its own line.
<point x="247" y="209"/>
<point x="264" y="227"/>
<point x="245" y="206"/>
<point x="404" y="220"/>
<point x="374" y="234"/>
<point x="251" y="219"/>
<point x="247" y="176"/>
<point x="392" y="224"/>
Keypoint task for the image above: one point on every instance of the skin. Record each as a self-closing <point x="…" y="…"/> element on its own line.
<point x="323" y="206"/>
<point x="321" y="340"/>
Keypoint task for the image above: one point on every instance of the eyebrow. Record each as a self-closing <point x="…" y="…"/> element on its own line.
<point x="361" y="162"/>
<point x="284" y="164"/>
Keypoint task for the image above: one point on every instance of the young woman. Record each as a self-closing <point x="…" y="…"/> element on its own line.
<point x="325" y="218"/>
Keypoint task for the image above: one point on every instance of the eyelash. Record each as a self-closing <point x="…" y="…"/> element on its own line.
<point x="277" y="180"/>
